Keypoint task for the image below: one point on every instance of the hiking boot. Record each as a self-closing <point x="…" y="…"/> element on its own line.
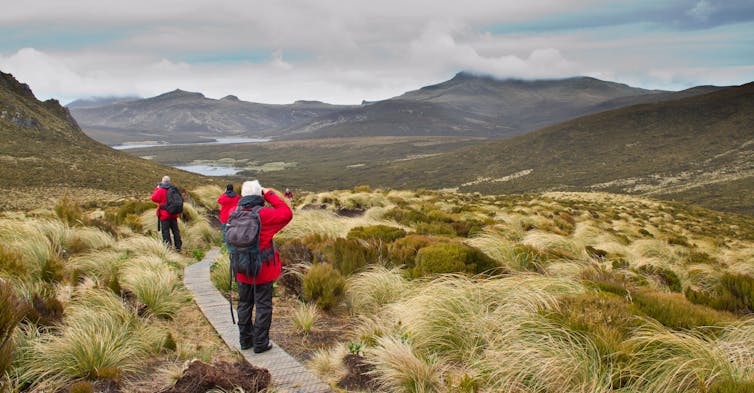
<point x="263" y="349"/>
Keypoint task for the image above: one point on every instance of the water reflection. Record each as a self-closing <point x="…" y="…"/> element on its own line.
<point x="209" y="170"/>
<point x="216" y="141"/>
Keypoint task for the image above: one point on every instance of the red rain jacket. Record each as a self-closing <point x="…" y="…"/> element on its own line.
<point x="227" y="205"/>
<point x="273" y="219"/>
<point x="160" y="197"/>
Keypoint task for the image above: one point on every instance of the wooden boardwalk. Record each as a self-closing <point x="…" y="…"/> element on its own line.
<point x="288" y="375"/>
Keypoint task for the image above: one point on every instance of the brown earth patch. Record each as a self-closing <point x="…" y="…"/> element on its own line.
<point x="200" y="377"/>
<point x="330" y="329"/>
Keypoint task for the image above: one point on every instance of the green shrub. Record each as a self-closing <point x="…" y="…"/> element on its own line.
<point x="324" y="286"/>
<point x="403" y="251"/>
<point x="198" y="253"/>
<point x="81" y="387"/>
<point x="606" y="317"/>
<point x="467" y="228"/>
<point x="69" y="211"/>
<point x="133" y="221"/>
<point x="381" y="233"/>
<point x="406" y="216"/>
<point x="435" y="228"/>
<point x="734" y="293"/>
<point x="132" y="208"/>
<point x="439" y="216"/>
<point x="674" y="311"/>
<point x="52" y="270"/>
<point x="666" y="276"/>
<point x="349" y="255"/>
<point x="607" y="286"/>
<point x="452" y="258"/>
<point x="295" y="251"/>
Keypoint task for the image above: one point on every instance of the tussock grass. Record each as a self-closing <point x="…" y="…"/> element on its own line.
<point x="369" y="291"/>
<point x="328" y="224"/>
<point x="398" y="367"/>
<point x="99" y="332"/>
<point x="648" y="249"/>
<point x="207" y="195"/>
<point x="539" y="355"/>
<point x="102" y="265"/>
<point x="220" y="273"/>
<point x="304" y="317"/>
<point x="81" y="239"/>
<point x="328" y="364"/>
<point x="496" y="246"/>
<point x="200" y="234"/>
<point x="690" y="361"/>
<point x="140" y="245"/>
<point x="155" y="285"/>
<point x="555" y="244"/>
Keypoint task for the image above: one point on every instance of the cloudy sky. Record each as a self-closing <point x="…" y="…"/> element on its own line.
<point x="349" y="50"/>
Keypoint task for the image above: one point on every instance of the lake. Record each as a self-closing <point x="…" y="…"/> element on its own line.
<point x="209" y="170"/>
<point x="216" y="141"/>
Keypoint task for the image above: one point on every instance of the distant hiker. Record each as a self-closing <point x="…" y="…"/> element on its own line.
<point x="289" y="194"/>
<point x="228" y="202"/>
<point x="169" y="207"/>
<point x="258" y="291"/>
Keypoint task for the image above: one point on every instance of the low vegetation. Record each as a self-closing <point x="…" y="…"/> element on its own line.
<point x="554" y="292"/>
<point x="92" y="298"/>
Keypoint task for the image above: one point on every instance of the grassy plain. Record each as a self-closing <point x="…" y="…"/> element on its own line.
<point x="589" y="292"/>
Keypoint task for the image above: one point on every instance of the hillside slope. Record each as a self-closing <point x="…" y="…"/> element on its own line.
<point x="43" y="151"/>
<point x="698" y="149"/>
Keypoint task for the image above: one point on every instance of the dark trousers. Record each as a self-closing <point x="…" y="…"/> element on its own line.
<point x="168" y="226"/>
<point x="258" y="332"/>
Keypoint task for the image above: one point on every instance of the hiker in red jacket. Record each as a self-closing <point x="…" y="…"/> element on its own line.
<point x="228" y="202"/>
<point x="168" y="222"/>
<point x="258" y="292"/>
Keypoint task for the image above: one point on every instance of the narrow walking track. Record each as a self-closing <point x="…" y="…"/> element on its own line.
<point x="288" y="375"/>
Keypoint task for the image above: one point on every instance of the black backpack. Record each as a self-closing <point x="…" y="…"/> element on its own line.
<point x="242" y="232"/>
<point x="174" y="203"/>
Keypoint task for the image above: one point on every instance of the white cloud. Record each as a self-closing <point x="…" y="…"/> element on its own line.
<point x="330" y="50"/>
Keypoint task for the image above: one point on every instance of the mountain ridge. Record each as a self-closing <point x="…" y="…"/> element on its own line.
<point x="466" y="105"/>
<point x="44" y="148"/>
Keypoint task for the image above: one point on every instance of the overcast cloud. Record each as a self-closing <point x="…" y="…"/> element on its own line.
<point x="347" y="51"/>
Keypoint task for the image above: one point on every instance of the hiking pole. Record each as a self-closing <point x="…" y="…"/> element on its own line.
<point x="230" y="298"/>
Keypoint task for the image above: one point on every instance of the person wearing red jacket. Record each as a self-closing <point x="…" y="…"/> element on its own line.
<point x="228" y="202"/>
<point x="168" y="222"/>
<point x="258" y="292"/>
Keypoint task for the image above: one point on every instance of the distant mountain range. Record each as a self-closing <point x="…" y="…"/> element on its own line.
<point x="181" y="116"/>
<point x="466" y="105"/>
<point x="697" y="149"/>
<point x="43" y="147"/>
